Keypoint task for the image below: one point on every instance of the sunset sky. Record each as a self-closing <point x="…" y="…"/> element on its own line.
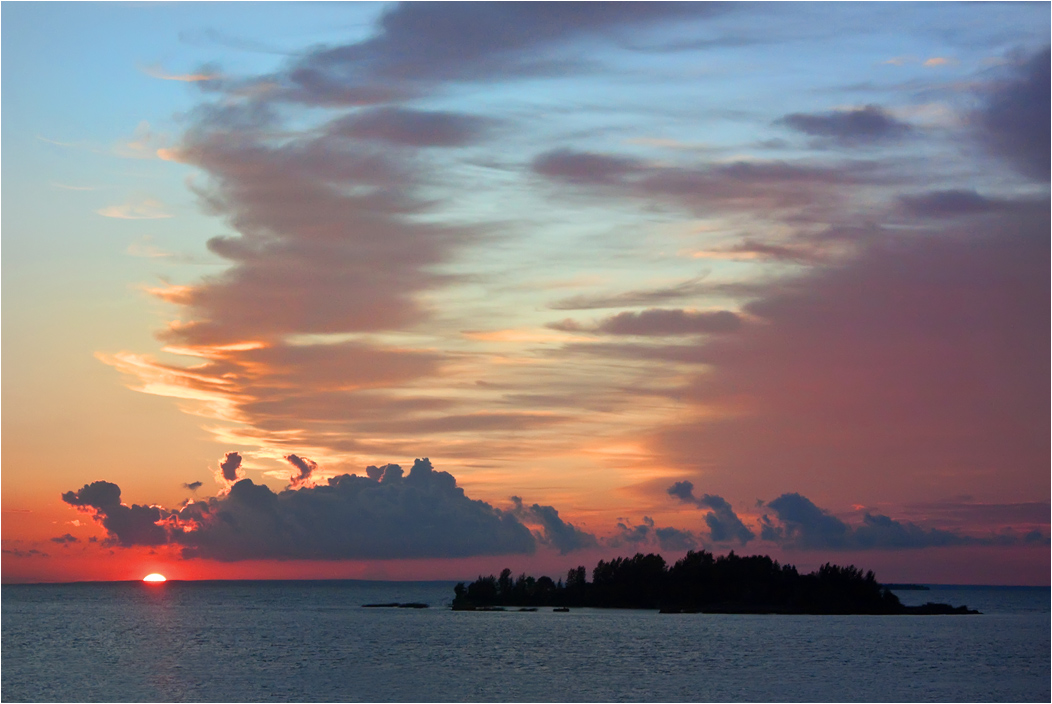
<point x="632" y="278"/>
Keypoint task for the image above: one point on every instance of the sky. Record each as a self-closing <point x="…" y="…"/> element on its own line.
<point x="421" y="291"/>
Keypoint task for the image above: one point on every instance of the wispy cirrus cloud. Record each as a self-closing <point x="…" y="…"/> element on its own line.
<point x="147" y="209"/>
<point x="156" y="71"/>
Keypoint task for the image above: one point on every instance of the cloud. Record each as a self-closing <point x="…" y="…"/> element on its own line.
<point x="584" y="167"/>
<point x="724" y="525"/>
<point x="777" y="189"/>
<point x="629" y="534"/>
<point x="18" y="552"/>
<point x="422" y="515"/>
<point x="675" y="540"/>
<point x="66" y="539"/>
<point x="801" y="524"/>
<point x="149" y="209"/>
<point x="968" y="513"/>
<point x="953" y="203"/>
<point x="329" y="238"/>
<point x="127" y="525"/>
<point x="414" y="128"/>
<point x="937" y="61"/>
<point x="917" y="358"/>
<point x="193" y="486"/>
<point x="638" y="297"/>
<point x="564" y="537"/>
<point x="417" y="46"/>
<point x="143" y="144"/>
<point x="1016" y="120"/>
<point x="863" y="125"/>
<point x="656" y="321"/>
<point x="158" y="72"/>
<point x="305" y="468"/>
<point x="230" y="468"/>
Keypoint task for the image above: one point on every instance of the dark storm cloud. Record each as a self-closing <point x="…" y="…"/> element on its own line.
<point x="724" y="524"/>
<point x="386" y="515"/>
<point x="1016" y="120"/>
<point x="849" y="127"/>
<point x="801" y="524"/>
<point x="229" y="466"/>
<point x="128" y="525"/>
<point x="304" y="466"/>
<point x="564" y="537"/>
<point x="414" y="128"/>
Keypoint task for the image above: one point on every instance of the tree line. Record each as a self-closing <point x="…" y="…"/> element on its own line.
<point x="699" y="582"/>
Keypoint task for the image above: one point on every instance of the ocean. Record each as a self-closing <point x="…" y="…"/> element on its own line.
<point x="313" y="641"/>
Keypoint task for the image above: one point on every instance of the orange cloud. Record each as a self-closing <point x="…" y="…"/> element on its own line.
<point x="156" y="72"/>
<point x="149" y="209"/>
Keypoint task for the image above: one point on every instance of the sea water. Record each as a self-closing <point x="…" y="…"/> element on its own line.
<point x="313" y="641"/>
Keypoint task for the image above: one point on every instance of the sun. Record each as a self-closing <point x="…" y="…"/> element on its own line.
<point x="154" y="577"/>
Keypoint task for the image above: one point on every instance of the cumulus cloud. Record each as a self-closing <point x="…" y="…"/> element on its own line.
<point x="635" y="535"/>
<point x="304" y="468"/>
<point x="230" y="468"/>
<point x="799" y="523"/>
<point x="564" y="537"/>
<point x="724" y="524"/>
<point x="1016" y="119"/>
<point x="675" y="540"/>
<point x="863" y="125"/>
<point x="127" y="525"/>
<point x="384" y="515"/>
<point x="628" y="534"/>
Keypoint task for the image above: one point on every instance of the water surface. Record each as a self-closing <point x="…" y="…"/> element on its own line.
<point x="312" y="641"/>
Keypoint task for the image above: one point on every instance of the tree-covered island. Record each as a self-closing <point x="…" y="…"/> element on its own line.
<point x="698" y="583"/>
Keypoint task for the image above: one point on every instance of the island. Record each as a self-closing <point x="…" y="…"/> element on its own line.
<point x="698" y="583"/>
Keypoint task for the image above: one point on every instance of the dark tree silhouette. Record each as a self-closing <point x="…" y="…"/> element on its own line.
<point x="699" y="582"/>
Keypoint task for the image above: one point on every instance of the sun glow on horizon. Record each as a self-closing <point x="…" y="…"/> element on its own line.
<point x="155" y="577"/>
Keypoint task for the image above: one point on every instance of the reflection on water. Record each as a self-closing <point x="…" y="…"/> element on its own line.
<point x="312" y="641"/>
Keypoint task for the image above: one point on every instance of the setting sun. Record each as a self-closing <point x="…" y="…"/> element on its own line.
<point x="154" y="577"/>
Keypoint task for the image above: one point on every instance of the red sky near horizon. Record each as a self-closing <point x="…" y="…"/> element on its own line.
<point x="633" y="278"/>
